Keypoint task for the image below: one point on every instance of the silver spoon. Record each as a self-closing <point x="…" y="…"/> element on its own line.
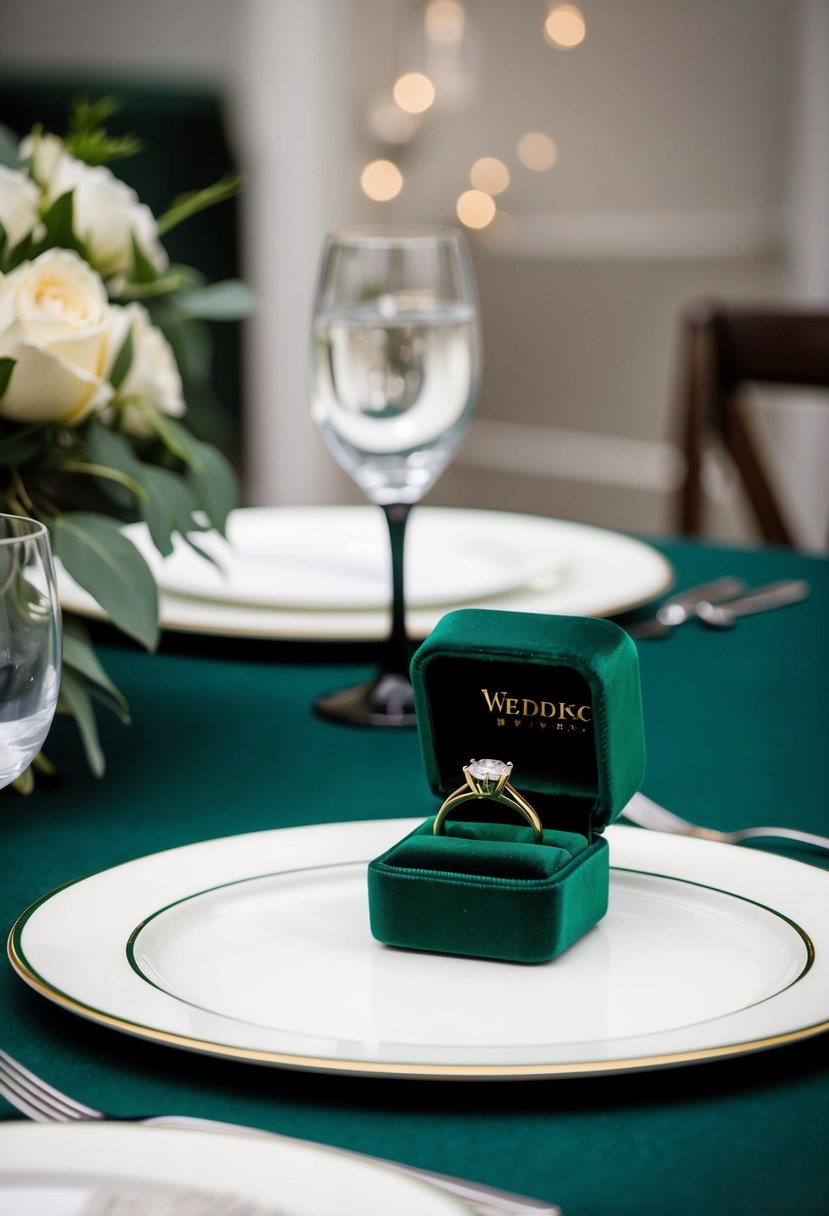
<point x="761" y="599"/>
<point x="681" y="607"/>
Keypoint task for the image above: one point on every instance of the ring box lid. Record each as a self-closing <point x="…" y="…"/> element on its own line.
<point x="558" y="696"/>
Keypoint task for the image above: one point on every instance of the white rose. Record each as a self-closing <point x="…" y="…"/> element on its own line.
<point x="18" y="205"/>
<point x="46" y="153"/>
<point x="107" y="213"/>
<point x="55" y="320"/>
<point x="153" y="373"/>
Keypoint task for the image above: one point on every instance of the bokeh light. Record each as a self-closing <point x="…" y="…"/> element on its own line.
<point x="475" y="209"/>
<point x="565" y="26"/>
<point x="414" y="92"/>
<point x="490" y="175"/>
<point x="537" y="151"/>
<point x="445" y="20"/>
<point x="388" y="123"/>
<point x="381" y="180"/>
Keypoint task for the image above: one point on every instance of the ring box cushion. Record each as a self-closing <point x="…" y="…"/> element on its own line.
<point x="560" y="698"/>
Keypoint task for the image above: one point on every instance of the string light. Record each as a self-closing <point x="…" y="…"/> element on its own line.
<point x="414" y="92"/>
<point x="445" y="20"/>
<point x="490" y="175"/>
<point x="475" y="209"/>
<point x="381" y="180"/>
<point x="537" y="151"/>
<point x="565" y="26"/>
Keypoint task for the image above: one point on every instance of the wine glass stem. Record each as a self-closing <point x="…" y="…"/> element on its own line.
<point x="397" y="647"/>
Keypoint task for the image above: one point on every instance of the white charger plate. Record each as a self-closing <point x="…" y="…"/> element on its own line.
<point x="590" y="572"/>
<point x="340" y="558"/>
<point x="258" y="947"/>
<point x="57" y="1170"/>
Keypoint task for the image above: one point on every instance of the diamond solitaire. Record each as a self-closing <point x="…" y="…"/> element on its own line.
<point x="489" y="770"/>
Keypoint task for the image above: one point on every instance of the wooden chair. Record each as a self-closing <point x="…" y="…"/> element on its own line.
<point x="726" y="348"/>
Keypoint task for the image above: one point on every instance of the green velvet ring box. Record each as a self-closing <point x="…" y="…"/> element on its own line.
<point x="559" y="698"/>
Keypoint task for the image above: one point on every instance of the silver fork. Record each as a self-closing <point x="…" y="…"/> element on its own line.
<point x="648" y="814"/>
<point x="37" y="1100"/>
<point x="44" y="1104"/>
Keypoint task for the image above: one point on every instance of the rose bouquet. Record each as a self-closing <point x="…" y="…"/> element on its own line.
<point x="99" y="336"/>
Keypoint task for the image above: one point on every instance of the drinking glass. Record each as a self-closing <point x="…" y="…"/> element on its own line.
<point x="396" y="365"/>
<point x="30" y="643"/>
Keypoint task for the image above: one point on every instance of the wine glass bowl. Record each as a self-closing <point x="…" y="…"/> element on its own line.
<point x="396" y="359"/>
<point x="396" y="366"/>
<point x="30" y="643"/>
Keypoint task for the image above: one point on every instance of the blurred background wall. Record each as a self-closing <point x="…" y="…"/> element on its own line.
<point x="686" y="156"/>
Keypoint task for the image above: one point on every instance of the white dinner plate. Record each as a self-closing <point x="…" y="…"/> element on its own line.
<point x="324" y="558"/>
<point x="72" y="1169"/>
<point x="581" y="571"/>
<point x="258" y="947"/>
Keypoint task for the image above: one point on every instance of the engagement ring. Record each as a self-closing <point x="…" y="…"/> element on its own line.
<point x="489" y="779"/>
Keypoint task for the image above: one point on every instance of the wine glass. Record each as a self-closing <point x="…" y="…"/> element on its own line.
<point x="396" y="365"/>
<point x="30" y="643"/>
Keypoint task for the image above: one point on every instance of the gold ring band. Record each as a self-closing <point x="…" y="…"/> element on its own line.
<point x="489" y="779"/>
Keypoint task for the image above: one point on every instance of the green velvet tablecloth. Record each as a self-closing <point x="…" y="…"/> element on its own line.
<point x="224" y="741"/>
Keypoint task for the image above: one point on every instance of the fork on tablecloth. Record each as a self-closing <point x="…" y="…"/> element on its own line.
<point x="43" y="1103"/>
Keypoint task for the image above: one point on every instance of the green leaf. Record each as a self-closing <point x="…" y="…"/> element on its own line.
<point x="110" y="568"/>
<point x="162" y="285"/>
<point x="171" y="498"/>
<point x="186" y="205"/>
<point x="86" y="115"/>
<point x="21" y="446"/>
<point x="87" y="137"/>
<point x="106" y="447"/>
<point x="214" y="486"/>
<point x="23" y="252"/>
<point x="192" y="347"/>
<point x="189" y="277"/>
<point x="7" y="366"/>
<point x="209" y="419"/>
<point x="76" y="701"/>
<point x="59" y="222"/>
<point x="104" y="475"/>
<point x="230" y="300"/>
<point x="176" y="438"/>
<point x="79" y="655"/>
<point x="123" y="361"/>
<point x="143" y="270"/>
<point x="202" y="552"/>
<point x="169" y="507"/>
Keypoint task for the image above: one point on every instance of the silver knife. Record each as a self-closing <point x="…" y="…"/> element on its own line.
<point x="761" y="599"/>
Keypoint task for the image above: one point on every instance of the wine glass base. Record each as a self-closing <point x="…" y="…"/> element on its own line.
<point x="387" y="700"/>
